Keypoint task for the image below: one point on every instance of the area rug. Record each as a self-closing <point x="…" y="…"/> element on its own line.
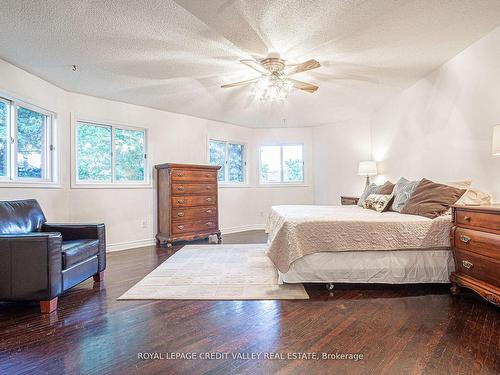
<point x="215" y="272"/>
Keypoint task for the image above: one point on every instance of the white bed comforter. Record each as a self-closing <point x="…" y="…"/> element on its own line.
<point x="296" y="231"/>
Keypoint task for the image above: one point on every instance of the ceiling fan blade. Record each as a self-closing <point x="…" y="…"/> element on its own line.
<point x="345" y="77"/>
<point x="308" y="65"/>
<point x="241" y="83"/>
<point x="255" y="65"/>
<point x="303" y="85"/>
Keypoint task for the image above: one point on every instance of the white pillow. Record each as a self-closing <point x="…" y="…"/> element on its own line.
<point x="472" y="196"/>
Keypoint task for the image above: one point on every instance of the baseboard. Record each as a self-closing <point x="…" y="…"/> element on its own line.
<point x="129" y="245"/>
<point x="243" y="228"/>
<point x="149" y="242"/>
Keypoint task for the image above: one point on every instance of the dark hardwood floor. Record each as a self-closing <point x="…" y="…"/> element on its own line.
<point x="398" y="329"/>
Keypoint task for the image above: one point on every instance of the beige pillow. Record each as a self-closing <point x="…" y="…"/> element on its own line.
<point x="459" y="184"/>
<point x="378" y="202"/>
<point x="472" y="196"/>
<point x="475" y="197"/>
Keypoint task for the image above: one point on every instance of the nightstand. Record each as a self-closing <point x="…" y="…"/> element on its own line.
<point x="348" y="201"/>
<point x="475" y="239"/>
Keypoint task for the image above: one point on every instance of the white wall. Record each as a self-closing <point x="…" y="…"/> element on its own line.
<point x="337" y="151"/>
<point x="441" y="127"/>
<point x="173" y="138"/>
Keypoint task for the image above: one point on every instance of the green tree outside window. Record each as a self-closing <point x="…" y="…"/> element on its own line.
<point x="230" y="157"/>
<point x="3" y="139"/>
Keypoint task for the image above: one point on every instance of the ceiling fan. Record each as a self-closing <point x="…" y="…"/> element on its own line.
<point x="274" y="81"/>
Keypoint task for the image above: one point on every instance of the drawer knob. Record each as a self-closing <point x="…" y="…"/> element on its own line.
<point x="209" y="211"/>
<point x="467" y="218"/>
<point x="180" y="174"/>
<point x="209" y="199"/>
<point x="208" y="174"/>
<point x="209" y="223"/>
<point x="180" y="201"/>
<point x="208" y="187"/>
<point x="181" y="214"/>
<point x="465" y="239"/>
<point x="180" y="226"/>
<point x="180" y="188"/>
<point x="467" y="264"/>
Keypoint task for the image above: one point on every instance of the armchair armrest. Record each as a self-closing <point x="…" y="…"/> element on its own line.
<point x="31" y="266"/>
<point x="72" y="232"/>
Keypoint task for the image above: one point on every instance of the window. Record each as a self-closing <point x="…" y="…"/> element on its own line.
<point x="26" y="143"/>
<point x="110" y="154"/>
<point x="231" y="157"/>
<point x="282" y="164"/>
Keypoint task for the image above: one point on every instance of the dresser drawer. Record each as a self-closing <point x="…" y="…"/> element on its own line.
<point x="209" y="212"/>
<point x="194" y="200"/>
<point x="182" y="175"/>
<point x="484" y="243"/>
<point x="187" y="188"/>
<point x="193" y="226"/>
<point x="477" y="219"/>
<point x="478" y="266"/>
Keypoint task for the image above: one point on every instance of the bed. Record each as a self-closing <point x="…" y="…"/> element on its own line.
<point x="350" y="244"/>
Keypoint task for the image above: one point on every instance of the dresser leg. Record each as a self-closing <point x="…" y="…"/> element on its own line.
<point x="98" y="277"/>
<point x="455" y="289"/>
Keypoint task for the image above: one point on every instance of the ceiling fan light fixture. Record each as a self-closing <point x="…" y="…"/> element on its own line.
<point x="273" y="88"/>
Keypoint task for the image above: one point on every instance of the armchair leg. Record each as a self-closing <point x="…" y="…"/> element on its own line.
<point x="46" y="307"/>
<point x="98" y="277"/>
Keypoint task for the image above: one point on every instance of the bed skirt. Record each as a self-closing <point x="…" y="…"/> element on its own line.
<point x="388" y="267"/>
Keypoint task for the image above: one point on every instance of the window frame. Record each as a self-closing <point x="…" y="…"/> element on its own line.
<point x="50" y="155"/>
<point x="226" y="182"/>
<point x="282" y="182"/>
<point x="113" y="183"/>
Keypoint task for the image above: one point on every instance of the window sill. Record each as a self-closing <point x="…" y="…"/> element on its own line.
<point x="111" y="186"/>
<point x="30" y="185"/>
<point x="224" y="186"/>
<point x="281" y="185"/>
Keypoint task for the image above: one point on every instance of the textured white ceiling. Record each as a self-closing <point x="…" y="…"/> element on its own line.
<point x="174" y="55"/>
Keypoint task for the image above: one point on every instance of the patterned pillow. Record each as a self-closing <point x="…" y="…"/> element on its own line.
<point x="370" y="189"/>
<point x="377" y="202"/>
<point x="402" y="192"/>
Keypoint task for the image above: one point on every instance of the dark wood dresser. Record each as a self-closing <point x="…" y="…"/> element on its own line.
<point x="475" y="238"/>
<point x="187" y="202"/>
<point x="348" y="201"/>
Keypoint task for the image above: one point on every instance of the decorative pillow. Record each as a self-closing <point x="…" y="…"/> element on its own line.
<point x="386" y="188"/>
<point x="377" y="202"/>
<point x="370" y="189"/>
<point x="431" y="199"/>
<point x="402" y="192"/>
<point x="459" y="184"/>
<point x="475" y="197"/>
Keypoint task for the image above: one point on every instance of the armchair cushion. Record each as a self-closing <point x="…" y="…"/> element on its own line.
<point x="71" y="232"/>
<point x="75" y="251"/>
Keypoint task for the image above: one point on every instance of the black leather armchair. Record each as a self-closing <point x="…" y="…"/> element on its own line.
<point x="39" y="261"/>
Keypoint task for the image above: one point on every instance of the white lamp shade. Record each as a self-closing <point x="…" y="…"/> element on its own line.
<point x="496" y="141"/>
<point x="367" y="168"/>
